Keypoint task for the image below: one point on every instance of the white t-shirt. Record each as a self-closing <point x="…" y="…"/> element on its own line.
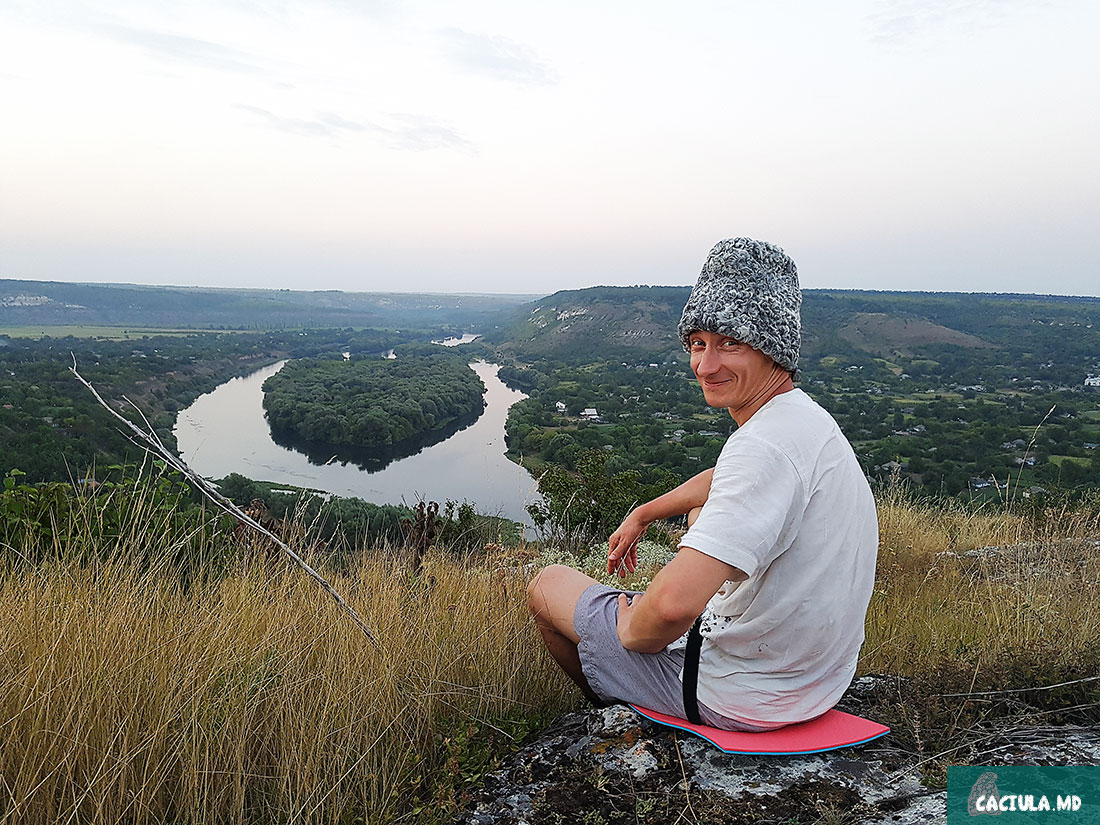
<point x="790" y="507"/>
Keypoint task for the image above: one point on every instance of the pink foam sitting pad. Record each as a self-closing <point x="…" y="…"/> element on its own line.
<point x="833" y="729"/>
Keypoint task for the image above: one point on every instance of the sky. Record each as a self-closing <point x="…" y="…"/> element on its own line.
<point x="522" y="147"/>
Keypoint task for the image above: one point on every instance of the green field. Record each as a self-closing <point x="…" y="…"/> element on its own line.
<point x="1062" y="459"/>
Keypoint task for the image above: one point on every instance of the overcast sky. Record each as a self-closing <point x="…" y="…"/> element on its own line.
<point x="511" y="146"/>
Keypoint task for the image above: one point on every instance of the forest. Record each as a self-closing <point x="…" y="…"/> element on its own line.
<point x="373" y="402"/>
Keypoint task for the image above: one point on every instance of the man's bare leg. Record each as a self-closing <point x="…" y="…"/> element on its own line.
<point x="552" y="598"/>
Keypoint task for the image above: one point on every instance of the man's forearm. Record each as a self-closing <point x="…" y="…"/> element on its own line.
<point x="648" y="631"/>
<point x="677" y="596"/>
<point x="678" y="501"/>
<point x="622" y="544"/>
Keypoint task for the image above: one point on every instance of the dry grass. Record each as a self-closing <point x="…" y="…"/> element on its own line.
<point x="127" y="696"/>
<point x="124" y="697"/>
<point x="940" y="597"/>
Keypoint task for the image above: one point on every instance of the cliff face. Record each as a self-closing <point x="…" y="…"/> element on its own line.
<point x="597" y="321"/>
<point x="612" y="766"/>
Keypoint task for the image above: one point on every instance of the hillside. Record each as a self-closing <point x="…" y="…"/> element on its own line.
<point x="160" y="665"/>
<point x="572" y="323"/>
<point x="956" y="392"/>
<point x="598" y="320"/>
<point x="51" y="303"/>
<point x="888" y="335"/>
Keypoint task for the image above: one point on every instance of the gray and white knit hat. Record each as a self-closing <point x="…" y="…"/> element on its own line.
<point x="748" y="290"/>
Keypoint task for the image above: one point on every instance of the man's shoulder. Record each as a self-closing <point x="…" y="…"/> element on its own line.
<point x="798" y="428"/>
<point x="792" y="414"/>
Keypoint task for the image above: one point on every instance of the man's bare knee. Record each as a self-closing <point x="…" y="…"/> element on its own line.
<point x="536" y="596"/>
<point x="552" y="596"/>
<point x="535" y="601"/>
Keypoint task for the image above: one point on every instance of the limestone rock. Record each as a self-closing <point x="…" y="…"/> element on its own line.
<point x="611" y="765"/>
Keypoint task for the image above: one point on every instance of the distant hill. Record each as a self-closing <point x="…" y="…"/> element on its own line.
<point x="624" y="321"/>
<point x="888" y="335"/>
<point x="49" y="303"/>
<point x="595" y="322"/>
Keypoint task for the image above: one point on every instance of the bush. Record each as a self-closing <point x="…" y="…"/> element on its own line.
<point x="581" y="507"/>
<point x="103" y="521"/>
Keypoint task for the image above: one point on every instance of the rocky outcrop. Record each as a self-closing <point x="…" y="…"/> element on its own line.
<point x="611" y="766"/>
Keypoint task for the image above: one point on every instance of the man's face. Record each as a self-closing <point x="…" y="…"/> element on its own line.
<point x="732" y="374"/>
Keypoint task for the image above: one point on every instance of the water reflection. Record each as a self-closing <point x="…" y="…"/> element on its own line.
<point x="370" y="459"/>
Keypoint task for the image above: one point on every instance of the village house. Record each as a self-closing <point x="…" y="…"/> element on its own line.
<point x="590" y="414"/>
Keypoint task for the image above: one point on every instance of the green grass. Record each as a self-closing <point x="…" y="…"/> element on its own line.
<point x="1062" y="459"/>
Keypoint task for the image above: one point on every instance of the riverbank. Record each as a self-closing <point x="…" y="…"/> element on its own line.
<point x="226" y="432"/>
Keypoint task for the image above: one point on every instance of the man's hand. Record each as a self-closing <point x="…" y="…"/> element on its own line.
<point x="622" y="550"/>
<point x="622" y="547"/>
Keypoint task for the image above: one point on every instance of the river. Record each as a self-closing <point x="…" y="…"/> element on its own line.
<point x="225" y="432"/>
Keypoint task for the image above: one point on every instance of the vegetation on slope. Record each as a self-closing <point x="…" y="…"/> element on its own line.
<point x="140" y="691"/>
<point x="947" y="390"/>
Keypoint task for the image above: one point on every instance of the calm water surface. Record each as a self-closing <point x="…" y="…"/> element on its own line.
<point x="225" y="432"/>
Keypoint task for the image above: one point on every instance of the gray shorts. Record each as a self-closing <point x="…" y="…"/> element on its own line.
<point x="651" y="680"/>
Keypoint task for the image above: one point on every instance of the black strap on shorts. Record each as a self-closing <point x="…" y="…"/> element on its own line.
<point x="691" y="672"/>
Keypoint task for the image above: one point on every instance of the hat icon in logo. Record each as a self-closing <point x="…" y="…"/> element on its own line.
<point x="986" y="786"/>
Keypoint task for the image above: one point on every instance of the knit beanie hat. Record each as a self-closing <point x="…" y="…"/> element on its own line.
<point x="748" y="290"/>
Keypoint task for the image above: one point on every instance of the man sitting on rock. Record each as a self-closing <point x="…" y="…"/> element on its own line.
<point x="758" y="620"/>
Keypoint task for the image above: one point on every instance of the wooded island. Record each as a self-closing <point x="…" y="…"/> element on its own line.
<point x="372" y="402"/>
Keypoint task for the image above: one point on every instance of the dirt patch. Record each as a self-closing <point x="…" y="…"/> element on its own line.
<point x="887" y="335"/>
